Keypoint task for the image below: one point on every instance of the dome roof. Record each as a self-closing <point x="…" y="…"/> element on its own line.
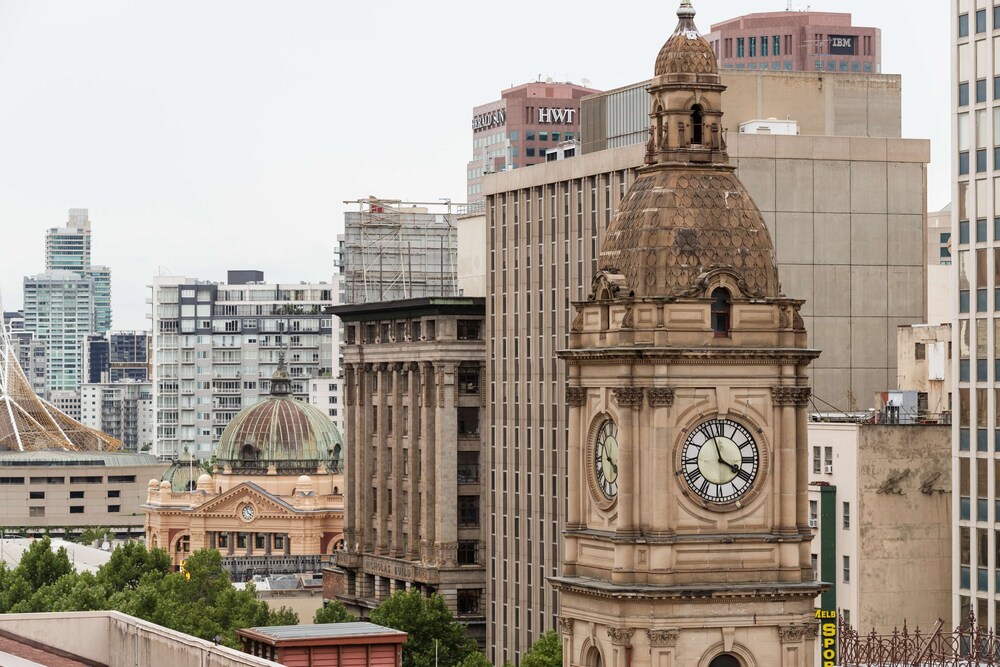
<point x="686" y="51"/>
<point x="677" y="225"/>
<point x="282" y="432"/>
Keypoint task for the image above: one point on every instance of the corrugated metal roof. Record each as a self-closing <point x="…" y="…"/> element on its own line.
<point x="320" y="630"/>
<point x="62" y="457"/>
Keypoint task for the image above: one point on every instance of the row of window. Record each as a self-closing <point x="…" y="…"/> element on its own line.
<point x="39" y="511"/>
<point x="81" y="479"/>
<point x="981" y="90"/>
<point x="845" y="518"/>
<point x="963" y="22"/>
<point x="772" y="48"/>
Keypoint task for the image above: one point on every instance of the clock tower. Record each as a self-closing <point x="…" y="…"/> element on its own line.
<point x="687" y="532"/>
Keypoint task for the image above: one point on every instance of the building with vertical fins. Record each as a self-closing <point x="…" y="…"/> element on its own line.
<point x="687" y="534"/>
<point x="69" y="249"/>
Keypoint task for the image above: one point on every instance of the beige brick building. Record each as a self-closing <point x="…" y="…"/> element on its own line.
<point x="415" y="402"/>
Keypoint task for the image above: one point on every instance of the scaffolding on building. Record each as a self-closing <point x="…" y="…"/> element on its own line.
<point x="400" y="250"/>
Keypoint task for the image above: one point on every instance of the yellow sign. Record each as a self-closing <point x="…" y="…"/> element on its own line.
<point x="828" y="636"/>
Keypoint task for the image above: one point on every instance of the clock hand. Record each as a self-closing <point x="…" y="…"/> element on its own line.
<point x="723" y="461"/>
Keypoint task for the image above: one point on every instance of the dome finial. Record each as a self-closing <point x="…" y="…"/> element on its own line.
<point x="686" y="10"/>
<point x="281" y="381"/>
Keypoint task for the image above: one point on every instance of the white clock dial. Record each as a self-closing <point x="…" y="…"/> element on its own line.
<point x="606" y="459"/>
<point x="248" y="512"/>
<point x="720" y="461"/>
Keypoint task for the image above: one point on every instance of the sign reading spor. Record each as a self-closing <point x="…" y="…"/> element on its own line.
<point x="828" y="637"/>
<point x="556" y="116"/>
<point x="484" y="121"/>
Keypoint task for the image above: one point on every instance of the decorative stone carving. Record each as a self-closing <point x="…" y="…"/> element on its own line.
<point x="577" y="319"/>
<point x="660" y="638"/>
<point x="576" y="396"/>
<point x="566" y="624"/>
<point x="627" y="396"/>
<point x="790" y="395"/>
<point x="792" y="633"/>
<point x="627" y="319"/>
<point x="660" y="396"/>
<point x="620" y="636"/>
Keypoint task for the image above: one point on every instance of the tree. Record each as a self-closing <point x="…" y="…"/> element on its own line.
<point x="425" y="620"/>
<point x="545" y="652"/>
<point x="334" y="611"/>
<point x="475" y="659"/>
<point x="129" y="563"/>
<point x="39" y="566"/>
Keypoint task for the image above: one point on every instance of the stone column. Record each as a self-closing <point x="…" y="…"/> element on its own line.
<point x="785" y="399"/>
<point x="446" y="465"/>
<point x="361" y="439"/>
<point x="413" y="463"/>
<point x="629" y="399"/>
<point x="350" y="393"/>
<point x="427" y="477"/>
<point x="232" y="543"/>
<point x="397" y="548"/>
<point x="382" y="461"/>
<point x="576" y="398"/>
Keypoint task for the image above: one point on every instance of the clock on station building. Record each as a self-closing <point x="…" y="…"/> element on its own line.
<point x="687" y="533"/>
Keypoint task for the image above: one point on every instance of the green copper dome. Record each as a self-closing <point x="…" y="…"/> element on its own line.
<point x="288" y="434"/>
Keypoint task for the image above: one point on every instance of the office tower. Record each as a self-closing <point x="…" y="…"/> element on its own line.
<point x="216" y="346"/>
<point x="58" y="308"/>
<point x="799" y="41"/>
<point x="121" y="355"/>
<point x="415" y="402"/>
<point x="527" y="123"/>
<point x="975" y="242"/>
<point x="69" y="249"/>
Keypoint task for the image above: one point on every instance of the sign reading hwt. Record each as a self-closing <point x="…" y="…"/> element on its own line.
<point x="489" y="119"/>
<point x="556" y="116"/>
<point x="827" y="637"/>
<point x="843" y="45"/>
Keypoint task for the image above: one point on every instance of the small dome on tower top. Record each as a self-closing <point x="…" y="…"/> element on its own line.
<point x="686" y="51"/>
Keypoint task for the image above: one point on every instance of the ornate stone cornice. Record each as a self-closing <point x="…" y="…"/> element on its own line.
<point x="620" y="636"/>
<point x="575" y="396"/>
<point x="627" y="396"/>
<point x="566" y="624"/>
<point x="667" y="637"/>
<point x="790" y="395"/>
<point x="660" y="397"/>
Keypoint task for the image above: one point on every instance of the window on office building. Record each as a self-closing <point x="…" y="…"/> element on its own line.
<point x="776" y="45"/>
<point x="963" y="94"/>
<point x="739" y="42"/>
<point x="980" y="90"/>
<point x="963" y="25"/>
<point x="847" y="569"/>
<point x="753" y="47"/>
<point x="846" y="522"/>
<point x="980" y="20"/>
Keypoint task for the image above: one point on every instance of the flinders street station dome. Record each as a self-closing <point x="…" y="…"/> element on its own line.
<point x="687" y="217"/>
<point x="282" y="433"/>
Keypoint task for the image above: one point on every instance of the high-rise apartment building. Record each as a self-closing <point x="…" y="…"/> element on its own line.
<point x="29" y="348"/>
<point x="122" y="409"/>
<point x="69" y="249"/>
<point x="975" y="251"/>
<point x="521" y="127"/>
<point x="216" y="346"/>
<point x="799" y="41"/>
<point x="393" y="250"/>
<point x="58" y="308"/>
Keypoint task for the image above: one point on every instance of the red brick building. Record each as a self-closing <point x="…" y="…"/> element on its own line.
<point x="327" y="644"/>
<point x="797" y="41"/>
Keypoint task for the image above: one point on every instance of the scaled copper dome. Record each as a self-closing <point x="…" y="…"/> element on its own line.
<point x="282" y="432"/>
<point x="686" y="51"/>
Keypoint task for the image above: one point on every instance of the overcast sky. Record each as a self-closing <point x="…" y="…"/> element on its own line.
<point x="211" y="135"/>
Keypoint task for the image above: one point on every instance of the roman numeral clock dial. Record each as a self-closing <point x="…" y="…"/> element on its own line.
<point x="720" y="462"/>
<point x="602" y="471"/>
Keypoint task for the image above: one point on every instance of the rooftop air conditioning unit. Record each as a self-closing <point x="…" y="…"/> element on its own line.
<point x="812" y="523"/>
<point x="828" y="468"/>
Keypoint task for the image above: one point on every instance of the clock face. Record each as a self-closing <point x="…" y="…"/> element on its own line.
<point x="720" y="461"/>
<point x="248" y="512"/>
<point x="605" y="460"/>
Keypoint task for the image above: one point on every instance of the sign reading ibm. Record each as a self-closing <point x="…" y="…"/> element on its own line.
<point x="843" y="45"/>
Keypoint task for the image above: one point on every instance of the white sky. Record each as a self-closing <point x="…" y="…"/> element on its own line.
<point x="209" y="135"/>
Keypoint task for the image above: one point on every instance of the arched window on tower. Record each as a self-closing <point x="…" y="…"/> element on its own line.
<point x="725" y="660"/>
<point x="696" y="124"/>
<point x="721" y="308"/>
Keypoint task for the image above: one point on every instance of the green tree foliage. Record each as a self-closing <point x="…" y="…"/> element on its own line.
<point x="425" y="620"/>
<point x="475" y="659"/>
<point x="545" y="652"/>
<point x="201" y="602"/>
<point x="334" y="611"/>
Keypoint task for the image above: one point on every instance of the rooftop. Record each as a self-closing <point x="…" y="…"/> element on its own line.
<point x="286" y="633"/>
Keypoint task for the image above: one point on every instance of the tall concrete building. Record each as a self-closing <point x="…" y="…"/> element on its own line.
<point x="216" y="346"/>
<point x="796" y="40"/>
<point x="416" y="507"/>
<point x="122" y="409"/>
<point x="58" y="308"/>
<point x="846" y="215"/>
<point x="29" y="348"/>
<point x="69" y="249"/>
<point x="975" y="240"/>
<point x="520" y="128"/>
<point x="121" y="355"/>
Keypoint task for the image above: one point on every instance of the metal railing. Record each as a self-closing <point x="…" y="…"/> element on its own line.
<point x="967" y="646"/>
